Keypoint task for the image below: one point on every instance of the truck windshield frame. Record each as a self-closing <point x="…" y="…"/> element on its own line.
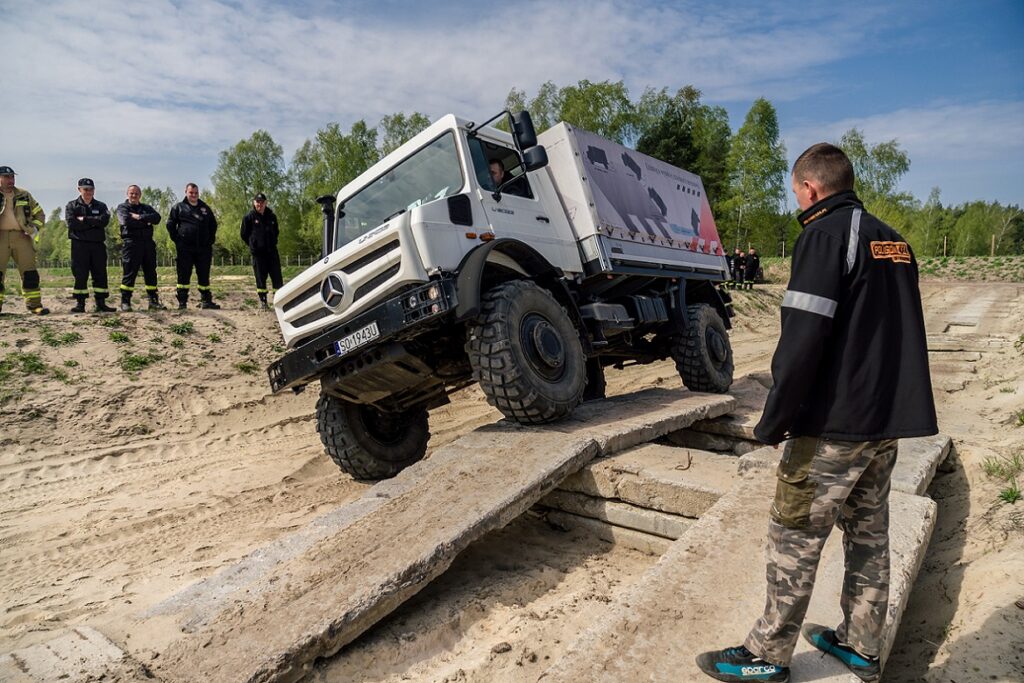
<point x="431" y="173"/>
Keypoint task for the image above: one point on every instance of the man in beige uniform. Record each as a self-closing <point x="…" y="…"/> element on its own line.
<point x="21" y="219"/>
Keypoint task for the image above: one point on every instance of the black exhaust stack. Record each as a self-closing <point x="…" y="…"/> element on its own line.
<point x="326" y="203"/>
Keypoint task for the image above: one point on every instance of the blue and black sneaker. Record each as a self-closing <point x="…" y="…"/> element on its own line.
<point x="740" y="664"/>
<point x="864" y="668"/>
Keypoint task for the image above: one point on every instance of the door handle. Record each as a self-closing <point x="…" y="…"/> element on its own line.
<point x="543" y="219"/>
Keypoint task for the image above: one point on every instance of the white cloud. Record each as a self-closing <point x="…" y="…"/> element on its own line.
<point x="151" y="93"/>
<point x="972" y="151"/>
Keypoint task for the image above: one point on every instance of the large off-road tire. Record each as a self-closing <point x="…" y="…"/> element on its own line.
<point x="703" y="355"/>
<point x="368" y="443"/>
<point x="526" y="354"/>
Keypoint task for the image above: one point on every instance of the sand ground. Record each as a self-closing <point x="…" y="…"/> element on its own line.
<point x="120" y="484"/>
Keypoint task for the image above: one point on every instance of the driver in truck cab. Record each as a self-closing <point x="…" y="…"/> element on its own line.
<point x="499" y="176"/>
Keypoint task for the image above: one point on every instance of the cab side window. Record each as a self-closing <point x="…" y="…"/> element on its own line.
<point x="488" y="157"/>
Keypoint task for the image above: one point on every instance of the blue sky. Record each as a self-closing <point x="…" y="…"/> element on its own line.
<point x="151" y="92"/>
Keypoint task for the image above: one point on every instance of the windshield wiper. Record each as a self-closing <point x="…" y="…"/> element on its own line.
<point x="396" y="213"/>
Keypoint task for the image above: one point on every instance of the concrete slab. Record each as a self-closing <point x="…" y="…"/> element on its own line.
<point x="751" y="392"/>
<point x="915" y="468"/>
<point x="690" y="438"/>
<point x="630" y="538"/>
<point x="675" y="480"/>
<point x="79" y="654"/>
<point x="706" y="591"/>
<point x="271" y="615"/>
<point x="661" y="524"/>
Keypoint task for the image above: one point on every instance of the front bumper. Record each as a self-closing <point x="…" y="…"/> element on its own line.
<point x="395" y="316"/>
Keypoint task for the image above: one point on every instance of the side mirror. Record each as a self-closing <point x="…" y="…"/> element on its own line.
<point x="523" y="131"/>
<point x="535" y="158"/>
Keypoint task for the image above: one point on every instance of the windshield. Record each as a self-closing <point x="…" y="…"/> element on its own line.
<point x="432" y="173"/>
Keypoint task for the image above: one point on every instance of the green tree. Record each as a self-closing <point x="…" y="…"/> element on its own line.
<point x="603" y="108"/>
<point x="162" y="200"/>
<point x="54" y="247"/>
<point x="396" y="129"/>
<point x="878" y="168"/>
<point x="686" y="133"/>
<point x="757" y="183"/>
<point x="251" y="166"/>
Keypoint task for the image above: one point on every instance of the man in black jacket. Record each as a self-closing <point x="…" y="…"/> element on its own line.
<point x="259" y="231"/>
<point x="87" y="219"/>
<point x="193" y="229"/>
<point x="752" y="267"/>
<point x="138" y="248"/>
<point x="850" y="378"/>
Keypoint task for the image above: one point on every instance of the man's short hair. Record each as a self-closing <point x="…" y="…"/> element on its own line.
<point x="191" y="185"/>
<point x="828" y="165"/>
<point x="492" y="162"/>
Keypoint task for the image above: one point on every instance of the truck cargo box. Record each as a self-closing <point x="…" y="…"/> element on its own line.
<point x="631" y="211"/>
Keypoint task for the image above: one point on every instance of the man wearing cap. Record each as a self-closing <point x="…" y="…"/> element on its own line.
<point x="138" y="248"/>
<point x="21" y="219"/>
<point x="193" y="229"/>
<point x="87" y="220"/>
<point x="259" y="231"/>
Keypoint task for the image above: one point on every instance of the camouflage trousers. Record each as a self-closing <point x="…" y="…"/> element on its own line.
<point x="821" y="483"/>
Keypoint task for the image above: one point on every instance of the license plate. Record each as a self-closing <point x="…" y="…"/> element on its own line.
<point x="358" y="338"/>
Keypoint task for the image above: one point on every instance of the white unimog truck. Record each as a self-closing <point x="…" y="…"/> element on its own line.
<point x="431" y="278"/>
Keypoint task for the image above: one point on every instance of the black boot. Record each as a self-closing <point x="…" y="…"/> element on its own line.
<point x="263" y="302"/>
<point x="80" y="305"/>
<point x="126" y="301"/>
<point x="182" y="299"/>
<point x="154" y="302"/>
<point x="101" y="304"/>
<point x="207" y="302"/>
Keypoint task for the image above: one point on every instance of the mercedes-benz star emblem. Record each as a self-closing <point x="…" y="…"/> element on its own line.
<point x="332" y="291"/>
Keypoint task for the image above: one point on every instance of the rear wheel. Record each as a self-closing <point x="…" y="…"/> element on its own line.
<point x="369" y="443"/>
<point x="526" y="354"/>
<point x="703" y="355"/>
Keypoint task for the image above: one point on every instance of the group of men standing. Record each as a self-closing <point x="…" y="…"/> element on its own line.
<point x="744" y="269"/>
<point x="191" y="225"/>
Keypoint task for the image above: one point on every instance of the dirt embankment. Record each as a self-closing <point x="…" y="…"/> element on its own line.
<point x="141" y="452"/>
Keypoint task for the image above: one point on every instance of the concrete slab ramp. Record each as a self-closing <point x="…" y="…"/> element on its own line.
<point x="272" y="615"/>
<point x="708" y="588"/>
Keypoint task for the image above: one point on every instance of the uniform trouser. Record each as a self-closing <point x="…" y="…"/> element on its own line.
<point x="267" y="264"/>
<point x="136" y="254"/>
<point x="199" y="257"/>
<point x="739" y="276"/>
<point x="19" y="245"/>
<point x="822" y="483"/>
<point x="89" y="259"/>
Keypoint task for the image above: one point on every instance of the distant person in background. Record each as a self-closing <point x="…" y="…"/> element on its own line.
<point x="87" y="220"/>
<point x="260" y="231"/>
<point x="753" y="269"/>
<point x="850" y="378"/>
<point x="21" y="219"/>
<point x="739" y="267"/>
<point x="193" y="229"/>
<point x="138" y="248"/>
<point x="730" y="263"/>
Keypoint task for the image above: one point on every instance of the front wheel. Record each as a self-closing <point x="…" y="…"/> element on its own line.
<point x="703" y="355"/>
<point x="526" y="354"/>
<point x="369" y="443"/>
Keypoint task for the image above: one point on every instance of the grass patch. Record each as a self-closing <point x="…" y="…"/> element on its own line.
<point x="51" y="338"/>
<point x="119" y="337"/>
<point x="178" y="343"/>
<point x="112" y="321"/>
<point x="1018" y="418"/>
<point x="183" y="328"/>
<point x="134" y="362"/>
<point x="249" y="366"/>
<point x="22" y="362"/>
<point x="1011" y="494"/>
<point x="1004" y="468"/>
<point x="71" y="363"/>
<point x="214" y="337"/>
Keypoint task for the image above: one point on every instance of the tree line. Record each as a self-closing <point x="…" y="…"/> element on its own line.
<point x="745" y="174"/>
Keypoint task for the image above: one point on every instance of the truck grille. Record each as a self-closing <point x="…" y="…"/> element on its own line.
<point x="377" y="281"/>
<point x="300" y="297"/>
